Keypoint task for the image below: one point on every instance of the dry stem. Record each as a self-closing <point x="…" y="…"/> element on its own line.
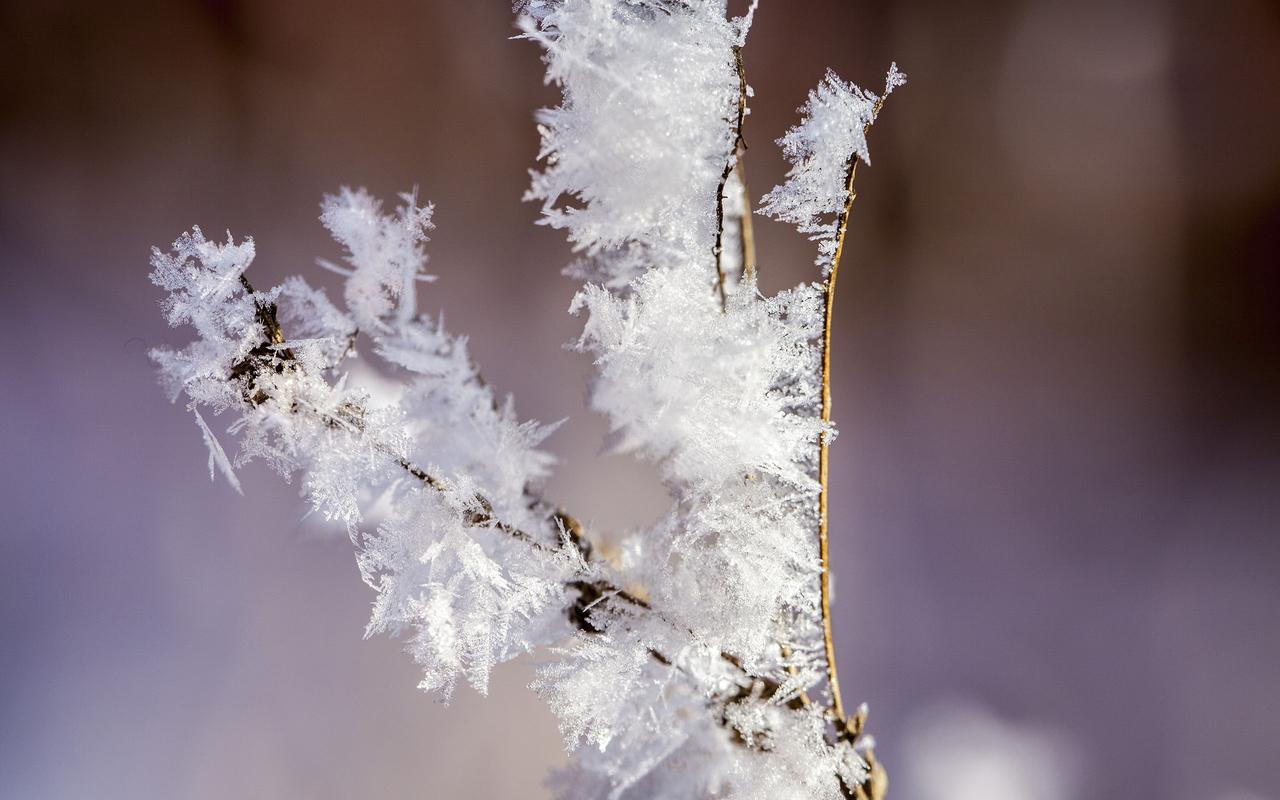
<point x="850" y="728"/>
<point x="829" y="292"/>
<point x="735" y="157"/>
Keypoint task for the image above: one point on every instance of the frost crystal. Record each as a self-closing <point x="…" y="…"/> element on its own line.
<point x="634" y="153"/>
<point x="822" y="151"/>
<point x="691" y="663"/>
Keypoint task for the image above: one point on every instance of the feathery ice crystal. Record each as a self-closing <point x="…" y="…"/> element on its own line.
<point x="692" y="663"/>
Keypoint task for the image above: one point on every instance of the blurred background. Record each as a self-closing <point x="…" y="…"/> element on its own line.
<point x="1056" y="489"/>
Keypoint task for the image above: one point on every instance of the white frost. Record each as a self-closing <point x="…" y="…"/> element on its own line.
<point x="832" y="133"/>
<point x="680" y="662"/>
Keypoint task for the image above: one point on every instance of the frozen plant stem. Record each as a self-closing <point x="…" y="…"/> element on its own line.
<point x="824" y="457"/>
<point x="690" y="662"/>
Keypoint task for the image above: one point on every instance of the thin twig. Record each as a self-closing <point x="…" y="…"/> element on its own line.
<point x="845" y="726"/>
<point x="829" y="292"/>
<point x="733" y="159"/>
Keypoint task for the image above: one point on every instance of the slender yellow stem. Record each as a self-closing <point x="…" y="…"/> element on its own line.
<point x="829" y="291"/>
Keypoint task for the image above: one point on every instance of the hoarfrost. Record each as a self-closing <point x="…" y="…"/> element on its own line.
<point x="691" y="662"/>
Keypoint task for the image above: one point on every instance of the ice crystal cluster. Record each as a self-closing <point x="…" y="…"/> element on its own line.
<point x="691" y="662"/>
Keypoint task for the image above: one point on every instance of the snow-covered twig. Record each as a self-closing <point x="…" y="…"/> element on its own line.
<point x="698" y="660"/>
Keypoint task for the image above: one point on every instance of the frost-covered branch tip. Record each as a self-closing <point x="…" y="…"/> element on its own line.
<point x="823" y="149"/>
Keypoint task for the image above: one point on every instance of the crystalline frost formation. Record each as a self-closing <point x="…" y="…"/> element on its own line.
<point x="690" y="665"/>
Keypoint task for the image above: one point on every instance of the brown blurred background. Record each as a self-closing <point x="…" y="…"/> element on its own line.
<point x="1056" y="487"/>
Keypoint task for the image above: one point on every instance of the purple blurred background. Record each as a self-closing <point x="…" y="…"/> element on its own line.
<point x="1056" y="493"/>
